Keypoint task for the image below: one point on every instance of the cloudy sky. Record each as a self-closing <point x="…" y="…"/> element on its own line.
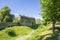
<point x="29" y="8"/>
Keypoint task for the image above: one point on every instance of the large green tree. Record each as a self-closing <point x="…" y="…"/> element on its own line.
<point x="5" y="15"/>
<point x="51" y="11"/>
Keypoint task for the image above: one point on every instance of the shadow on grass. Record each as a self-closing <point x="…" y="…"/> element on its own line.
<point x="51" y="36"/>
<point x="11" y="32"/>
<point x="34" y="26"/>
<point x="57" y="30"/>
<point x="48" y="37"/>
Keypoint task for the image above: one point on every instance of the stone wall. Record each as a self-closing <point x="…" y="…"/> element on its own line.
<point x="28" y="21"/>
<point x="23" y="20"/>
<point x="6" y="24"/>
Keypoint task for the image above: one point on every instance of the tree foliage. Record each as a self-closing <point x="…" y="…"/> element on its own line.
<point x="51" y="10"/>
<point x="5" y="15"/>
<point x="15" y="19"/>
<point x="38" y="21"/>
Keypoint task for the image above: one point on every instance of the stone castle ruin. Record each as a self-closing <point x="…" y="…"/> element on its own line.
<point x="23" y="20"/>
<point x="28" y="21"/>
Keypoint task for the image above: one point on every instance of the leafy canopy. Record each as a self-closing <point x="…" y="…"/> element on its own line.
<point x="5" y="15"/>
<point x="50" y="10"/>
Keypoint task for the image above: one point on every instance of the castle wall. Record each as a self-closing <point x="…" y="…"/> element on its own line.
<point x="28" y="21"/>
<point x="6" y="24"/>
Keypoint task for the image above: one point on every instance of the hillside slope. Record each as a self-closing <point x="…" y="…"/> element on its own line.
<point x="7" y="34"/>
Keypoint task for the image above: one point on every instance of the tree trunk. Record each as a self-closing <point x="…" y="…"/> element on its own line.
<point x="53" y="27"/>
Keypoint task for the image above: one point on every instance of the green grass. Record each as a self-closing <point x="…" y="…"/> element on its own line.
<point x="47" y="33"/>
<point x="19" y="30"/>
<point x="38" y="31"/>
<point x="24" y="30"/>
<point x="51" y="36"/>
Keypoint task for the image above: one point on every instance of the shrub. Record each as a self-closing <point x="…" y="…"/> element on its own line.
<point x="11" y="32"/>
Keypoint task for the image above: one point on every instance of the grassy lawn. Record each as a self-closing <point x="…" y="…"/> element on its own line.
<point x="39" y="31"/>
<point x="19" y="30"/>
<point x="50" y="35"/>
<point x="45" y="33"/>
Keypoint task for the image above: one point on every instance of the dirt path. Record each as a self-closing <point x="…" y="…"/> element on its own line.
<point x="25" y="36"/>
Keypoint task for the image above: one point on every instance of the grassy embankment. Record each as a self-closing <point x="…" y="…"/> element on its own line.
<point x="41" y="33"/>
<point x="38" y="32"/>
<point x="14" y="32"/>
<point x="45" y="33"/>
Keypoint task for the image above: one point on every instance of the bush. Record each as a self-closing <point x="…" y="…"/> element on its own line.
<point x="11" y="32"/>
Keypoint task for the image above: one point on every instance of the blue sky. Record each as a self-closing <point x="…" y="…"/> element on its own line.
<point x="29" y="8"/>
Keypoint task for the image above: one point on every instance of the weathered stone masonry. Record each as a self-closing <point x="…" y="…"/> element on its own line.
<point x="28" y="21"/>
<point x="23" y="20"/>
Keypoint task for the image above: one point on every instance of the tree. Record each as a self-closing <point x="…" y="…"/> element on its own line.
<point x="16" y="19"/>
<point x="51" y="11"/>
<point x="38" y="21"/>
<point x="8" y="18"/>
<point x="5" y="15"/>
